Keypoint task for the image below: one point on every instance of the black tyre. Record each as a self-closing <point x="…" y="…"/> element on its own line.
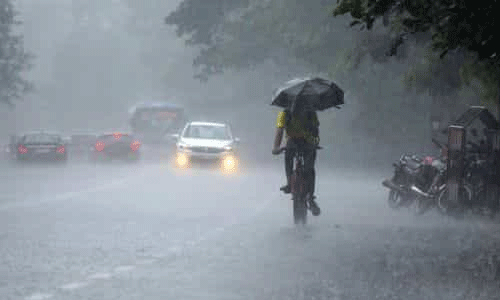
<point x="300" y="211"/>
<point x="395" y="199"/>
<point x="299" y="200"/>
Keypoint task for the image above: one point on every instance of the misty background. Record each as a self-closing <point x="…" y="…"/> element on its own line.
<point x="94" y="59"/>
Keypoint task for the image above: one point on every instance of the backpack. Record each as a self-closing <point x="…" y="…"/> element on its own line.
<point x="310" y="126"/>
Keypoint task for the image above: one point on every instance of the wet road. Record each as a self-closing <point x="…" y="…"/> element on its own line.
<point x="147" y="232"/>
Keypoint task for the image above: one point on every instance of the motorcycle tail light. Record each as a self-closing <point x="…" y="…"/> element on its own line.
<point x="61" y="149"/>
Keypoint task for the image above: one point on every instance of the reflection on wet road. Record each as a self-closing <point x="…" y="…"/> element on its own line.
<point x="145" y="232"/>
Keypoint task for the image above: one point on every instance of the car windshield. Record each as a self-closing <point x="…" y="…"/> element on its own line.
<point x="42" y="139"/>
<point x="207" y="132"/>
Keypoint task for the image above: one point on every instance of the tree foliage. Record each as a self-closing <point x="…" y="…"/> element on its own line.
<point x="247" y="33"/>
<point x="455" y="26"/>
<point x="13" y="59"/>
<point x="241" y="34"/>
<point x="438" y="76"/>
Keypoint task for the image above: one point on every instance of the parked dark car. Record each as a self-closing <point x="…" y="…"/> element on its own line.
<point x="41" y="146"/>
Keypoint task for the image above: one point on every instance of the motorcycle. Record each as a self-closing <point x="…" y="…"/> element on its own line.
<point x="430" y="184"/>
<point x="417" y="181"/>
<point x="405" y="174"/>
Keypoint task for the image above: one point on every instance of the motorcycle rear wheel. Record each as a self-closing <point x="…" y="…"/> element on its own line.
<point x="394" y="199"/>
<point x="449" y="209"/>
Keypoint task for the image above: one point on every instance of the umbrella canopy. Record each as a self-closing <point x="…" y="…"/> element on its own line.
<point x="308" y="93"/>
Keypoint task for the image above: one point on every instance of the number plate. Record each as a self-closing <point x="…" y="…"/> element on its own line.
<point x="42" y="150"/>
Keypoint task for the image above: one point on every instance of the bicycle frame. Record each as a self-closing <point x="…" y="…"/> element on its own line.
<point x="297" y="180"/>
<point x="298" y="186"/>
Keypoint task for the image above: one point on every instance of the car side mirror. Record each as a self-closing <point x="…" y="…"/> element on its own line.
<point x="237" y="140"/>
<point x="174" y="136"/>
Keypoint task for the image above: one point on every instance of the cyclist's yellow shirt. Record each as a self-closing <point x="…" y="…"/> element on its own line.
<point x="296" y="128"/>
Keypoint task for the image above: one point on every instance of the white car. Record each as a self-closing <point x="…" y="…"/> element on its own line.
<point x="204" y="142"/>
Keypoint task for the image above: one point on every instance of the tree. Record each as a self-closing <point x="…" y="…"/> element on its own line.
<point x="241" y="34"/>
<point x="456" y="26"/>
<point x="13" y="59"/>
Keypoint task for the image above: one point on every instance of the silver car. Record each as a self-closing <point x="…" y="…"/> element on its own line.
<point x="205" y="142"/>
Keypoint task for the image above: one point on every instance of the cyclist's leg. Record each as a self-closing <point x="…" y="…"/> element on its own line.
<point x="313" y="172"/>
<point x="309" y="161"/>
<point x="289" y="154"/>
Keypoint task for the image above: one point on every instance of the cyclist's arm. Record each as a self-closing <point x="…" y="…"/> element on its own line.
<point x="280" y="128"/>
<point x="277" y="138"/>
<point x="314" y="134"/>
<point x="316" y="125"/>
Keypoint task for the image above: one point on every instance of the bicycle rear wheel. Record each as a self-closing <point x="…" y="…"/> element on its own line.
<point x="299" y="200"/>
<point x="299" y="211"/>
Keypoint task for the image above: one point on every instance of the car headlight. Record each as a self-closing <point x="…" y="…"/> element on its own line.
<point x="229" y="163"/>
<point x="182" y="159"/>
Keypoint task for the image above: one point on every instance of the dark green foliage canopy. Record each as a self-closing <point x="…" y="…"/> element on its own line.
<point x="240" y="34"/>
<point x="13" y="59"/>
<point x="464" y="26"/>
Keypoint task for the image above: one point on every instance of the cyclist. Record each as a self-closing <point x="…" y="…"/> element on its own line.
<point x="302" y="130"/>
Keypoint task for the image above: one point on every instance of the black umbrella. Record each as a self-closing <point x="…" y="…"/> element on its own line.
<point x="309" y="93"/>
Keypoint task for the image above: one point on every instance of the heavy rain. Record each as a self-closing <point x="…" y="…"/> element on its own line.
<point x="141" y="151"/>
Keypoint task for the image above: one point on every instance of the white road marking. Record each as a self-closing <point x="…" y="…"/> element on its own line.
<point x="123" y="269"/>
<point x="74" y="194"/>
<point x="63" y="196"/>
<point x="74" y="285"/>
<point x="39" y="296"/>
<point x="175" y="250"/>
<point x="146" y="262"/>
<point x="192" y="243"/>
<point x="99" y="276"/>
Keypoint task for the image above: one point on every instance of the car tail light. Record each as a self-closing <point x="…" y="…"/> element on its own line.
<point x="99" y="146"/>
<point x="22" y="149"/>
<point x="61" y="149"/>
<point x="135" y="145"/>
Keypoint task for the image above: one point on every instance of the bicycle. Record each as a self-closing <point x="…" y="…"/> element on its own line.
<point x="300" y="197"/>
